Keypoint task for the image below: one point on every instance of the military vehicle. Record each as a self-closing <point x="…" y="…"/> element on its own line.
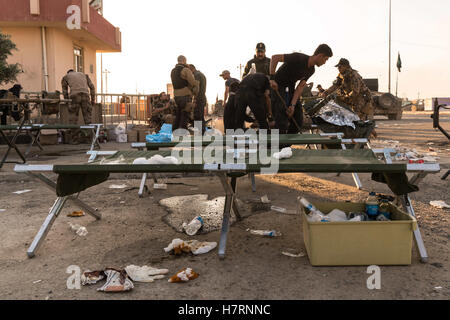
<point x="386" y="104"/>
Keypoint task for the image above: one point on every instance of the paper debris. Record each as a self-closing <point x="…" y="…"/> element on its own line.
<point x="195" y="247"/>
<point x="184" y="275"/>
<point x="79" y="230"/>
<point x="285" y="153"/>
<point x="160" y="186"/>
<point x="37" y="281"/>
<point x="22" y="191"/>
<point x="439" y="204"/>
<point x="292" y="255"/>
<point x="76" y="214"/>
<point x="118" y="186"/>
<point x="92" y="277"/>
<point x="265" y="199"/>
<point x="117" y="281"/>
<point x="2" y="210"/>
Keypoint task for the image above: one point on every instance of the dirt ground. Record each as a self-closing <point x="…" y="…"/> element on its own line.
<point x="132" y="231"/>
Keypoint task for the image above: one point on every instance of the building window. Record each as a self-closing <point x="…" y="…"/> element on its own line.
<point x="78" y="59"/>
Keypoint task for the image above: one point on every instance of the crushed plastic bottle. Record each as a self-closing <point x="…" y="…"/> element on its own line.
<point x="79" y="230"/>
<point x="372" y="205"/>
<point x="315" y="215"/>
<point x="266" y="233"/>
<point x="337" y="216"/>
<point x="193" y="227"/>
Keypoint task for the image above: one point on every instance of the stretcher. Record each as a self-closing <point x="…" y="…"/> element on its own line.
<point x="310" y="140"/>
<point x="34" y="132"/>
<point x="75" y="178"/>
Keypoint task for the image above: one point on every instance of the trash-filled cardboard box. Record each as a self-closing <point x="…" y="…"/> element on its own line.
<point x="358" y="243"/>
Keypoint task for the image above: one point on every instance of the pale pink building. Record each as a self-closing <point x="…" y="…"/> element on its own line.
<point x="49" y="42"/>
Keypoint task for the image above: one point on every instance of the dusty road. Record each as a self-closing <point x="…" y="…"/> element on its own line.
<point x="132" y="231"/>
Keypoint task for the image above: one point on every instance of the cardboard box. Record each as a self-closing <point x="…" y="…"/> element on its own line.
<point x="48" y="137"/>
<point x="132" y="135"/>
<point x="358" y="243"/>
<point x="142" y="133"/>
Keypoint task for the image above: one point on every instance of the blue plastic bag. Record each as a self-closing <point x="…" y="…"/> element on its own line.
<point x="164" y="135"/>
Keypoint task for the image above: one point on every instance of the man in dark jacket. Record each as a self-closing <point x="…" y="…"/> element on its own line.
<point x="262" y="63"/>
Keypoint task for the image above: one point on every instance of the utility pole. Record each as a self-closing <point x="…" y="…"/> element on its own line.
<point x="390" y="20"/>
<point x="106" y="78"/>
<point x="240" y="70"/>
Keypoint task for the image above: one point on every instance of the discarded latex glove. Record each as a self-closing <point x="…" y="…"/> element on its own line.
<point x="117" y="281"/>
<point x="145" y="273"/>
<point x="184" y="275"/>
<point x="195" y="247"/>
<point x="92" y="277"/>
<point x="439" y="204"/>
<point x="285" y="153"/>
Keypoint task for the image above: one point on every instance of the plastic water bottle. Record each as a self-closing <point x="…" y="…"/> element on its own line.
<point x="266" y="233"/>
<point x="372" y="205"/>
<point x="193" y="227"/>
<point x="315" y="215"/>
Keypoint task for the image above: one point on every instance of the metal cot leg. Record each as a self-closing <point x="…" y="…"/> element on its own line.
<point x="252" y="177"/>
<point x="143" y="187"/>
<point x="40" y="236"/>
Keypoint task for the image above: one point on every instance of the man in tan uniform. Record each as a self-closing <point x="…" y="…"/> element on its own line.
<point x="82" y="94"/>
<point x="353" y="90"/>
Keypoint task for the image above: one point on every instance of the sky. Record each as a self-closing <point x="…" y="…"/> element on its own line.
<point x="218" y="35"/>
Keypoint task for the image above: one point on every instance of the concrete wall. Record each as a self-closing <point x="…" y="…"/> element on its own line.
<point x="29" y="55"/>
<point x="60" y="57"/>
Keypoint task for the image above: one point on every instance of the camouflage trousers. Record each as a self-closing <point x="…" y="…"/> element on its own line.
<point x="79" y="101"/>
<point x="364" y="109"/>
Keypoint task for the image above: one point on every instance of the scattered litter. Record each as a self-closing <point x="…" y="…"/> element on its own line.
<point x="118" y="186"/>
<point x="117" y="281"/>
<point x="37" y="281"/>
<point x="266" y="233"/>
<point x="265" y="199"/>
<point x="293" y="255"/>
<point x="76" y="214"/>
<point x="278" y="209"/>
<point x="122" y="202"/>
<point x="192" y="228"/>
<point x="337" y="216"/>
<point x="79" y="230"/>
<point x="145" y="273"/>
<point x="439" y="204"/>
<point x="437" y="288"/>
<point x="285" y="153"/>
<point x="120" y="160"/>
<point x="2" y="210"/>
<point x="160" y="186"/>
<point x="195" y="247"/>
<point x="22" y="191"/>
<point x="92" y="277"/>
<point x="185" y="275"/>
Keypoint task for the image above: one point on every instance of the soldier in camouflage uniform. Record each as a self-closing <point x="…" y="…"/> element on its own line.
<point x="163" y="110"/>
<point x="353" y="90"/>
<point x="262" y="63"/>
<point x="82" y="94"/>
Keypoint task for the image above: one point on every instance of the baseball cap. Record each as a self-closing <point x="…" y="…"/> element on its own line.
<point x="260" y="47"/>
<point x="223" y="73"/>
<point x="343" y="62"/>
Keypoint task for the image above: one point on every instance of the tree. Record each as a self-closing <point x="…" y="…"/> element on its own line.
<point x="8" y="72"/>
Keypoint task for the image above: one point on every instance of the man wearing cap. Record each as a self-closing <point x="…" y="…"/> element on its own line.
<point x="185" y="89"/>
<point x="287" y="109"/>
<point x="231" y="87"/>
<point x="353" y="90"/>
<point x="320" y="89"/>
<point x="260" y="60"/>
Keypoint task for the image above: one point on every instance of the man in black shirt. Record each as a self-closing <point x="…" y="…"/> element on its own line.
<point x="296" y="67"/>
<point x="254" y="91"/>
<point x="231" y="86"/>
<point x="262" y="63"/>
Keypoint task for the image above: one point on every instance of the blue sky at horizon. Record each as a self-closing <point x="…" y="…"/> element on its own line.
<point x="217" y="35"/>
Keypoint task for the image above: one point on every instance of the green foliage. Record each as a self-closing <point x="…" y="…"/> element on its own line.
<point x="8" y="72"/>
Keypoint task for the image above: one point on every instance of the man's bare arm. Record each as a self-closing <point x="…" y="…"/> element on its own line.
<point x="227" y="92"/>
<point x="298" y="92"/>
<point x="274" y="62"/>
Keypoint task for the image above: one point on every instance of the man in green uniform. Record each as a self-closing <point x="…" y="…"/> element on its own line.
<point x="262" y="63"/>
